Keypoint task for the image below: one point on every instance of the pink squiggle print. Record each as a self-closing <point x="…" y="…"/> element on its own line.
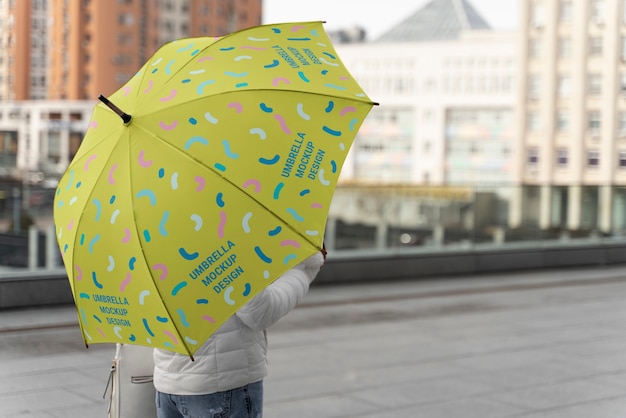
<point x="201" y="183"/>
<point x="126" y="235"/>
<point x="168" y="127"/>
<point x="125" y="282"/>
<point x="208" y="318"/>
<point x="296" y="28"/>
<point x="89" y="160"/>
<point x="126" y="90"/>
<point x="172" y="336"/>
<point x="170" y="97"/>
<point x="80" y="273"/>
<point x="101" y="332"/>
<point x="347" y="109"/>
<point x="280" y="80"/>
<point x="202" y="59"/>
<point x="220" y="228"/>
<point x="253" y="182"/>
<point x="111" y="171"/>
<point x="236" y="105"/>
<point x="164" y="270"/>
<point x="142" y="161"/>
<point x="93" y="124"/>
<point x="343" y="77"/>
<point x="147" y="89"/>
<point x="290" y="242"/>
<point x="283" y="124"/>
<point x="316" y="205"/>
<point x="70" y="225"/>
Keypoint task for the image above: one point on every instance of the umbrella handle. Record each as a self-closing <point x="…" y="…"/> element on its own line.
<point x="125" y="116"/>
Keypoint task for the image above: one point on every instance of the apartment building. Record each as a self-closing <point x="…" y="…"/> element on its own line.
<point x="78" y="49"/>
<point x="572" y="114"/>
<point x="23" y="49"/>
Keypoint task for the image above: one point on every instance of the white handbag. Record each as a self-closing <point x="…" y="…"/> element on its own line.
<point x="132" y="393"/>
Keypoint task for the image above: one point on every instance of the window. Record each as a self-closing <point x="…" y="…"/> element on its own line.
<point x="622" y="123"/>
<point x="597" y="11"/>
<point x="534" y="121"/>
<point x="595" y="45"/>
<point x="565" y="11"/>
<point x="561" y="157"/>
<point x="125" y="19"/>
<point x="562" y="120"/>
<point x="533" y="156"/>
<point x="622" y="160"/>
<point x="593" y="158"/>
<point x="534" y="86"/>
<point x="534" y="48"/>
<point x="593" y="121"/>
<point x="537" y="14"/>
<point x="563" y="85"/>
<point x="594" y="87"/>
<point x="564" y="48"/>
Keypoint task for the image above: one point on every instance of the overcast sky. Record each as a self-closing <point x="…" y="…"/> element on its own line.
<point x="376" y="16"/>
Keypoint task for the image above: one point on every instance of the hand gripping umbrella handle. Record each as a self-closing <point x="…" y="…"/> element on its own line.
<point x="125" y="116"/>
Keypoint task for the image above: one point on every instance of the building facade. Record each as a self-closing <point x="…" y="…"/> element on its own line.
<point x="446" y="101"/>
<point x="572" y="114"/>
<point x="23" y="49"/>
<point x="39" y="138"/>
<point x="78" y="49"/>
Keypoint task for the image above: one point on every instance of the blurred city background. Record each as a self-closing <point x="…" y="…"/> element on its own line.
<point x="490" y="136"/>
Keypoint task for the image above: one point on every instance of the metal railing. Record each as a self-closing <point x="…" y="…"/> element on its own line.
<point x="381" y="219"/>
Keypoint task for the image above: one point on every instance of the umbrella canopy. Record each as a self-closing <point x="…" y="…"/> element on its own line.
<point x="202" y="180"/>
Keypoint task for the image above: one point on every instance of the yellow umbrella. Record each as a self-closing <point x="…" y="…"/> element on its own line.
<point x="202" y="180"/>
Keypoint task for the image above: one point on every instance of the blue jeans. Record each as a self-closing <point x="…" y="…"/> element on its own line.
<point x="243" y="402"/>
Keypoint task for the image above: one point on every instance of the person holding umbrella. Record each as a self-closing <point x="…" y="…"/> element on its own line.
<point x="226" y="377"/>
<point x="203" y="180"/>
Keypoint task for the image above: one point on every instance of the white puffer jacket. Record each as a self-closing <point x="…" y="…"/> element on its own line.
<point x="235" y="355"/>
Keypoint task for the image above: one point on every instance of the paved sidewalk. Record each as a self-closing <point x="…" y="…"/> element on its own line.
<point x="541" y="344"/>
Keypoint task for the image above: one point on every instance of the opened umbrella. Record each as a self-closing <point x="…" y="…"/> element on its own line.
<point x="202" y="180"/>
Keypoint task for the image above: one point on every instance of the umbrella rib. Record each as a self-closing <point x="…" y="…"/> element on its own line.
<point x="143" y="255"/>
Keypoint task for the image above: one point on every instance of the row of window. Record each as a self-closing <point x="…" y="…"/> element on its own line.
<point x="597" y="11"/>
<point x="564" y="85"/>
<point x="564" y="47"/>
<point x="563" y="118"/>
<point x="494" y="84"/>
<point x="562" y="158"/>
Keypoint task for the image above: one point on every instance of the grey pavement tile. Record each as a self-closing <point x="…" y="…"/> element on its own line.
<point x="557" y="395"/>
<point x="600" y="362"/>
<point x="333" y="406"/>
<point x="617" y="378"/>
<point x="602" y="408"/>
<point x="83" y="411"/>
<point x="426" y="391"/>
<point x="465" y="408"/>
<point x="39" y="414"/>
<point x="529" y="375"/>
<point x="40" y="402"/>
<point x="46" y="380"/>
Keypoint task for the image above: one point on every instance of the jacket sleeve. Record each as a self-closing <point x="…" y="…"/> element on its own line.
<point x="280" y="297"/>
